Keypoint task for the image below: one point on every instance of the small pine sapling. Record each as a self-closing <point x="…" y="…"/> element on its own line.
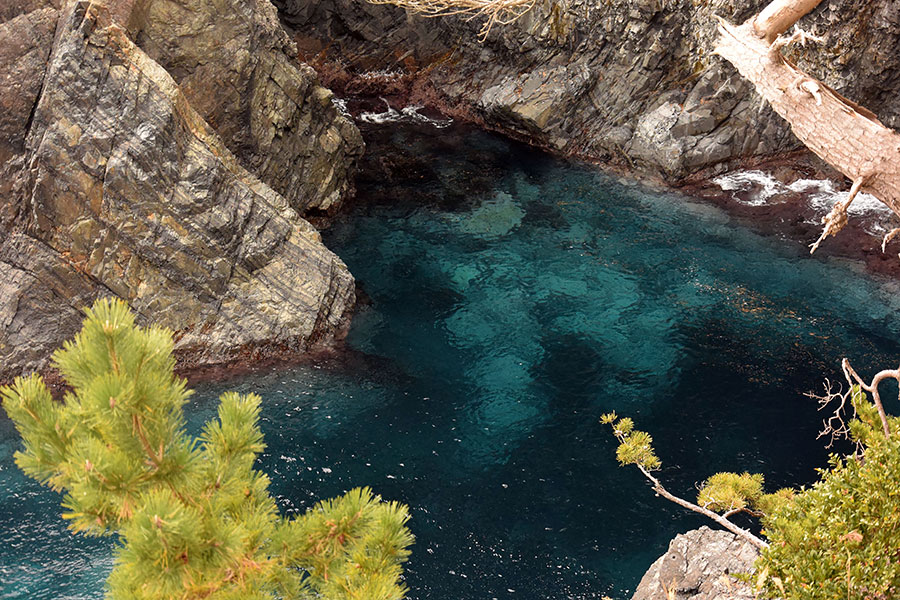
<point x="839" y="538"/>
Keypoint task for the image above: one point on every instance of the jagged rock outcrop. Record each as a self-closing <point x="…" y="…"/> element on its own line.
<point x="631" y="81"/>
<point x="697" y="566"/>
<point x="25" y="42"/>
<point x="120" y="187"/>
<point x="238" y="69"/>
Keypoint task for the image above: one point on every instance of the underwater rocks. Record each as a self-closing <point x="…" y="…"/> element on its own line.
<point x="120" y="187"/>
<point x="628" y="82"/>
<point x="698" y="566"/>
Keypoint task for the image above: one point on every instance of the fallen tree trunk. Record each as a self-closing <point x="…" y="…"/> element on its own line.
<point x="779" y="16"/>
<point x="842" y="133"/>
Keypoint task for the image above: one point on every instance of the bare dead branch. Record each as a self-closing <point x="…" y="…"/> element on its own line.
<point x="836" y="219"/>
<point x="739" y="531"/>
<point x="495" y="12"/>
<point x="778" y="16"/>
<point x="888" y="237"/>
<point x="835" y="425"/>
<point x="751" y="512"/>
<point x="872" y="388"/>
<point x="842" y="133"/>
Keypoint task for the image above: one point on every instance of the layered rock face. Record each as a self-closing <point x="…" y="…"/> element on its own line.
<point x="630" y="81"/>
<point x="699" y="565"/>
<point x="115" y="185"/>
<point x="238" y="69"/>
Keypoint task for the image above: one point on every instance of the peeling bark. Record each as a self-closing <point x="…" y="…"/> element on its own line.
<point x="845" y="135"/>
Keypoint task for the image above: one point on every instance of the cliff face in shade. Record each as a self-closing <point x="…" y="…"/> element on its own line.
<point x="119" y="186"/>
<point x="628" y="81"/>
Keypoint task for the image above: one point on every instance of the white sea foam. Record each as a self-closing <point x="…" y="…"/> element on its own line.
<point x="822" y="192"/>
<point x="383" y="74"/>
<point x="412" y="112"/>
<point x="743" y="181"/>
<point x="341" y="105"/>
<point x="408" y="114"/>
<point x="388" y="116"/>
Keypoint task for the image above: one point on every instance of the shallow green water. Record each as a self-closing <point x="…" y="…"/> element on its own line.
<point x="514" y="299"/>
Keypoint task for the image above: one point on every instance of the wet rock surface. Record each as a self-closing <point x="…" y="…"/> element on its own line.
<point x="630" y="82"/>
<point x="699" y="565"/>
<point x="119" y="187"/>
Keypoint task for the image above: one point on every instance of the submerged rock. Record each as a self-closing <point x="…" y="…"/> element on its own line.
<point x="121" y="187"/>
<point x="699" y="565"/>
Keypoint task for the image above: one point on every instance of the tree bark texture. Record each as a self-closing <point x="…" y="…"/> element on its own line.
<point x="842" y="133"/>
<point x="777" y="17"/>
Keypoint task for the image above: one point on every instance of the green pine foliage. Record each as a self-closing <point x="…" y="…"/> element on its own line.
<point x="839" y="538"/>
<point x="635" y="447"/>
<point x="724" y="492"/>
<point x="195" y="519"/>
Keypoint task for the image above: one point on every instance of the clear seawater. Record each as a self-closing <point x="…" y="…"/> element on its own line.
<point x="512" y="299"/>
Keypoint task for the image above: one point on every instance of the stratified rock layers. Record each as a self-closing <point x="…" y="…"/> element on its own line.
<point x="125" y="189"/>
<point x="237" y="68"/>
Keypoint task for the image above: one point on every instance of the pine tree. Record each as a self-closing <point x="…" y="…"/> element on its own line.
<point x="193" y="516"/>
<point x="835" y="539"/>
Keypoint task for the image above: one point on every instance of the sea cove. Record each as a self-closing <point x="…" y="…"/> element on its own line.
<point x="511" y="299"/>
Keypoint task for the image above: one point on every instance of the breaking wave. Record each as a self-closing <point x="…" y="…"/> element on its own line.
<point x="409" y="114"/>
<point x="821" y="192"/>
<point x="341" y="105"/>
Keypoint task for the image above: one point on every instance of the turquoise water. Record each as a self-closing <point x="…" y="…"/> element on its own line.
<point x="513" y="299"/>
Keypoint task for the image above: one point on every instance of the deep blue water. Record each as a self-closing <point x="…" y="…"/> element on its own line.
<point x="513" y="299"/>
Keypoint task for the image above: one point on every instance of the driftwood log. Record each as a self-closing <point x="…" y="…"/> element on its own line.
<point x="842" y="133"/>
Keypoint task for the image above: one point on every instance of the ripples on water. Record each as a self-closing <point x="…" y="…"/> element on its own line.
<point x="514" y="299"/>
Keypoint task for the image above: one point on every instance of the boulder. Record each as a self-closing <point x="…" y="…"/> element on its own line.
<point x="699" y="565"/>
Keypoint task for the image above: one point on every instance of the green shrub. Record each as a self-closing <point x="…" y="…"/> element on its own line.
<point x="838" y="539"/>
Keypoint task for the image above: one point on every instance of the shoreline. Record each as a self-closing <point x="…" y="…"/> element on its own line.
<point x="787" y="216"/>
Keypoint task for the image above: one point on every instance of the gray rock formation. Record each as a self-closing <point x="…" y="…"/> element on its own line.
<point x="25" y="43"/>
<point x="624" y="80"/>
<point x="238" y="69"/>
<point x="697" y="566"/>
<point x="120" y="187"/>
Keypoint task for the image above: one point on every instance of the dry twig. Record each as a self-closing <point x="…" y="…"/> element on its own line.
<point x="872" y="388"/>
<point x="496" y="12"/>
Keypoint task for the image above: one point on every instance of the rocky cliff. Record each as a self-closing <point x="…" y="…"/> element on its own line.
<point x="628" y="81"/>
<point x="154" y="175"/>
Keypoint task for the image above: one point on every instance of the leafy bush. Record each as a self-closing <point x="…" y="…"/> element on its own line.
<point x="841" y="537"/>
